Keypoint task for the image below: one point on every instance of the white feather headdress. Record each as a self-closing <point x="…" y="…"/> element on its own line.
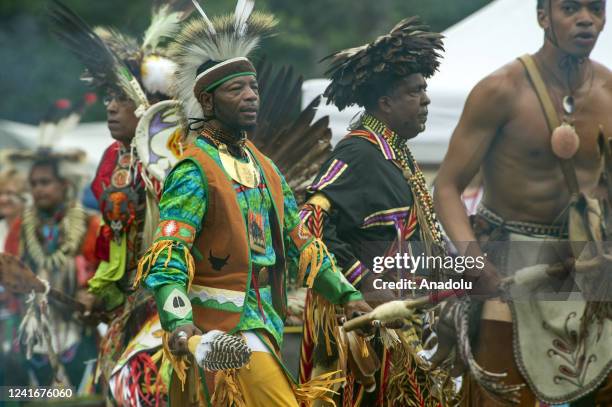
<point x="115" y="60"/>
<point x="206" y="46"/>
<point x="61" y="118"/>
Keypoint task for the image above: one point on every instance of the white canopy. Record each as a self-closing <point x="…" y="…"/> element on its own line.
<point x="93" y="138"/>
<point x="475" y="47"/>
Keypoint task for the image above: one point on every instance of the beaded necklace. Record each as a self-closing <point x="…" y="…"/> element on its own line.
<point x="245" y="173"/>
<point x="219" y="137"/>
<point x="411" y="171"/>
<point x="72" y="229"/>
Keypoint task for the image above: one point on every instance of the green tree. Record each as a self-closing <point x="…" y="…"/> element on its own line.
<point x="37" y="70"/>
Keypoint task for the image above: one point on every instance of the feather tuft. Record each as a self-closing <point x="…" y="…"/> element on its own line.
<point x="243" y="11"/>
<point x="407" y="49"/>
<point x="164" y="24"/>
<point x="202" y="40"/>
<point x="157" y="73"/>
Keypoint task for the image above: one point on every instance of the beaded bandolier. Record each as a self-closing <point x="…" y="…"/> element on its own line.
<point x="414" y="176"/>
<point x="121" y="187"/>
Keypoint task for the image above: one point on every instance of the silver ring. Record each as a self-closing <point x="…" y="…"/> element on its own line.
<point x="182" y="335"/>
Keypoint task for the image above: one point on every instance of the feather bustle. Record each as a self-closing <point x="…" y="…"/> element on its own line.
<point x="104" y="68"/>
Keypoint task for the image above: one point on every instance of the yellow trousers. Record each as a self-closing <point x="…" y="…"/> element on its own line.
<point x="264" y="383"/>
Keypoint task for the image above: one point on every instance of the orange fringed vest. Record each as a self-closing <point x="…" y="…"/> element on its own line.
<point x="223" y="267"/>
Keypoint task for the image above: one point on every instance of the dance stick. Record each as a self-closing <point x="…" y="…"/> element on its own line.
<point x="17" y="278"/>
<point x="400" y="309"/>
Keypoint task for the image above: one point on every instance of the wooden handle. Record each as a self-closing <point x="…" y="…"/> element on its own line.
<point x="584" y="266"/>
<point x="64" y="299"/>
<point x="367" y="319"/>
<point x="358" y="322"/>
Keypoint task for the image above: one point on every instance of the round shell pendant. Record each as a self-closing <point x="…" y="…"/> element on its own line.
<point x="565" y="141"/>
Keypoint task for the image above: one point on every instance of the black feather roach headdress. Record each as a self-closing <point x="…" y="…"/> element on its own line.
<point x="409" y="48"/>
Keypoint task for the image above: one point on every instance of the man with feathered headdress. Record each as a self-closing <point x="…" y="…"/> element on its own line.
<point x="229" y="227"/>
<point x="369" y="200"/>
<point x="55" y="238"/>
<point x="135" y="78"/>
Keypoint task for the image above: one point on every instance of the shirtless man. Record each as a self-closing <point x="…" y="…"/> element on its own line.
<point x="504" y="131"/>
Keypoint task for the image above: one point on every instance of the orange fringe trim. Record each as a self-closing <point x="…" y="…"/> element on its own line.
<point x="227" y="391"/>
<point x="318" y="388"/>
<point x="149" y="259"/>
<point x="179" y="364"/>
<point x="313" y="256"/>
<point x="321" y="316"/>
<point x="363" y="347"/>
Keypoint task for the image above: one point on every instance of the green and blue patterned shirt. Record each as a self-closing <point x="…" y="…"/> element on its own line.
<point x="185" y="200"/>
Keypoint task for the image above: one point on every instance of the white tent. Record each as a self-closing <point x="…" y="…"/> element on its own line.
<point x="93" y="138"/>
<point x="475" y="47"/>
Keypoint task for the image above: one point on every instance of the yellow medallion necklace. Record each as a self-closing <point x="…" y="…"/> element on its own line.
<point x="243" y="172"/>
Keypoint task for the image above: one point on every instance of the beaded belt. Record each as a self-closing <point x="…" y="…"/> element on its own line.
<point x="523" y="228"/>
